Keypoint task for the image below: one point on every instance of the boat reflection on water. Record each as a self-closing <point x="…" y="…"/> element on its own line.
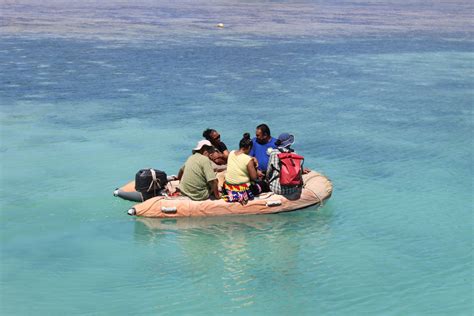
<point x="274" y="223"/>
<point x="239" y="255"/>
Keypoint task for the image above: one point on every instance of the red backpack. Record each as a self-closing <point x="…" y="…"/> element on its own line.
<point x="291" y="169"/>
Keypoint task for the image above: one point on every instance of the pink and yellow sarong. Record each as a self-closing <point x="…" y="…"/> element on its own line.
<point x="237" y="193"/>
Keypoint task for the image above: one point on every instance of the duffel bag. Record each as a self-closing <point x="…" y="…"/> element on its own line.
<point x="150" y="182"/>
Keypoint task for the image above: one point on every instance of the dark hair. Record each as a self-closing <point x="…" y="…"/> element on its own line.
<point x="207" y="148"/>
<point x="246" y="141"/>
<point x="207" y="133"/>
<point x="265" y="129"/>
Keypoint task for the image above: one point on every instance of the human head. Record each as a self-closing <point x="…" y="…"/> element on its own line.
<point x="285" y="140"/>
<point x="262" y="134"/>
<point x="211" y="135"/>
<point x="245" y="143"/>
<point x="204" y="147"/>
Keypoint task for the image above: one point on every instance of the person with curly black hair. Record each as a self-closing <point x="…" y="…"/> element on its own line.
<point x="219" y="157"/>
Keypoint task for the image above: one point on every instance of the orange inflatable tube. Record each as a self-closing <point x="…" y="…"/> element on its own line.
<point x="316" y="189"/>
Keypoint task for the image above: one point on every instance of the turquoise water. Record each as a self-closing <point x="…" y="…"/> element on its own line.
<point x="379" y="96"/>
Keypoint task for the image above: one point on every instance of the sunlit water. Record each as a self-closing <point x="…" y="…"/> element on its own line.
<point x="379" y="96"/>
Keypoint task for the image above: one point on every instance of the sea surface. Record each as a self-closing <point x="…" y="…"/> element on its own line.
<point x="379" y="96"/>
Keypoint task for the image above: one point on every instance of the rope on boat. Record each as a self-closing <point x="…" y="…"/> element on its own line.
<point x="321" y="201"/>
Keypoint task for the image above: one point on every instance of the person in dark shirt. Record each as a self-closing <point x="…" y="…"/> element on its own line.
<point x="219" y="157"/>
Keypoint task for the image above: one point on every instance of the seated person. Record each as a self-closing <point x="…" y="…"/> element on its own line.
<point x="272" y="176"/>
<point x="197" y="179"/>
<point x="261" y="144"/>
<point x="219" y="157"/>
<point x="241" y="171"/>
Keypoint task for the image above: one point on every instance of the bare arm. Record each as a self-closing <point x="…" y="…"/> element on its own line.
<point x="214" y="188"/>
<point x="225" y="154"/>
<point x="259" y="173"/>
<point x="252" y="170"/>
<point x="218" y="158"/>
<point x="180" y="173"/>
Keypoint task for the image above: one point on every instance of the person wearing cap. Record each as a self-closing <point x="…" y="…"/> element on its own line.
<point x="261" y="144"/>
<point x="283" y="143"/>
<point x="197" y="178"/>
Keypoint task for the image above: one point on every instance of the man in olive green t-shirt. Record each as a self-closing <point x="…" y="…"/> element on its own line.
<point x="197" y="178"/>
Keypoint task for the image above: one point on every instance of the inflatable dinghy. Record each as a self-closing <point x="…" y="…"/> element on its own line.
<point x="316" y="189"/>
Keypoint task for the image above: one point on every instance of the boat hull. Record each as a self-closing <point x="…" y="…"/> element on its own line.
<point x="316" y="189"/>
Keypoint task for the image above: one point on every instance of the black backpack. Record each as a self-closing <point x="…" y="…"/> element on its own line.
<point x="150" y="182"/>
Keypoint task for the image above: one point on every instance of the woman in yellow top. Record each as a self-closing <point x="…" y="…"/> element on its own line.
<point x="241" y="172"/>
